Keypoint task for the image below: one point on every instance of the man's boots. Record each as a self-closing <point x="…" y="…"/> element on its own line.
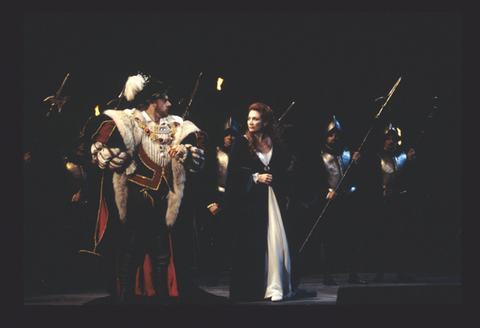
<point x="160" y="260"/>
<point x="127" y="271"/>
<point x="326" y="261"/>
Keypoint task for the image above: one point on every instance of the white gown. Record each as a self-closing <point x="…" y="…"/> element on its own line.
<point x="277" y="257"/>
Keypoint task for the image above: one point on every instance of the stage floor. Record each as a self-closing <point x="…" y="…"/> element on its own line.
<point x="428" y="289"/>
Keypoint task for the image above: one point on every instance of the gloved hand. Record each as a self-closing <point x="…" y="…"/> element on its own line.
<point x="105" y="157"/>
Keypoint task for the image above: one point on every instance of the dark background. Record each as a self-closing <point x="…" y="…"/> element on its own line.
<point x="328" y="63"/>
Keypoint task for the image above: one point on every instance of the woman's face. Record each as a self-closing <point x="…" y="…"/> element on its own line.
<point x="255" y="122"/>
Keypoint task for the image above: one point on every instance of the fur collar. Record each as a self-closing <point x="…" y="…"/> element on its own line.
<point x="131" y="134"/>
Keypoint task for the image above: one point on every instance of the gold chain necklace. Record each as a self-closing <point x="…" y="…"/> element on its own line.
<point x="167" y="129"/>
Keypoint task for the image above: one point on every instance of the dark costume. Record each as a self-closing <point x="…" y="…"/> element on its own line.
<point x="140" y="195"/>
<point x="390" y="178"/>
<point x="216" y="244"/>
<point x="337" y="232"/>
<point x="247" y="209"/>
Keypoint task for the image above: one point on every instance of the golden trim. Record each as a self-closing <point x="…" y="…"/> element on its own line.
<point x="146" y="194"/>
<point x="146" y="178"/>
<point x="98" y="214"/>
<point x="90" y="252"/>
<point x="160" y="170"/>
<point x="171" y="132"/>
<point x="202" y="135"/>
<point x="100" y="127"/>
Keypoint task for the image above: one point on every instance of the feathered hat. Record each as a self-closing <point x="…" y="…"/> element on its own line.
<point x="141" y="88"/>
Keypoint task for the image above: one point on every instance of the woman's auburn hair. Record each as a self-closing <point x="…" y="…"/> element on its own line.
<point x="268" y="116"/>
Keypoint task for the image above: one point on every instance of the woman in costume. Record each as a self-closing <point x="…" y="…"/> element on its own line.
<point x="255" y="203"/>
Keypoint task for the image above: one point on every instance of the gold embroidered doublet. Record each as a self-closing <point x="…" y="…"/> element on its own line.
<point x="150" y="174"/>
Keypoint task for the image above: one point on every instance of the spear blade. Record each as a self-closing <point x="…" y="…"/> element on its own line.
<point x="389" y="95"/>
<point x="57" y="100"/>
<point x="348" y="168"/>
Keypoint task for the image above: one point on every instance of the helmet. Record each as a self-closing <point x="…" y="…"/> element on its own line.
<point x="334" y="124"/>
<point x="390" y="130"/>
<point x="230" y="126"/>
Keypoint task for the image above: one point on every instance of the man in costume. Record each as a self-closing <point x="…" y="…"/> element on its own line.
<point x="337" y="231"/>
<point x="213" y="232"/>
<point x="146" y="152"/>
<point x="390" y="177"/>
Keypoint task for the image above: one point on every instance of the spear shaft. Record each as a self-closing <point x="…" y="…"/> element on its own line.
<point x="350" y="164"/>
<point x="280" y="127"/>
<point x="285" y="113"/>
<point x="191" y="97"/>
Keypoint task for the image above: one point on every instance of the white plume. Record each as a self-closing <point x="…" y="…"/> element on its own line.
<point x="134" y="85"/>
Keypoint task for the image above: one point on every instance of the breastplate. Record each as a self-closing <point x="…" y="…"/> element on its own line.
<point x="76" y="171"/>
<point x="222" y="163"/>
<point x="335" y="166"/>
<point x="391" y="167"/>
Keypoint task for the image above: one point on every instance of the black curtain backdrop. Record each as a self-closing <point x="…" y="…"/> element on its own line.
<point x="327" y="63"/>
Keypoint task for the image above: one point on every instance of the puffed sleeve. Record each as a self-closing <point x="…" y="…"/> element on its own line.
<point x="105" y="142"/>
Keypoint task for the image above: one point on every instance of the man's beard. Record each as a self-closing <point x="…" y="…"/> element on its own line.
<point x="390" y="147"/>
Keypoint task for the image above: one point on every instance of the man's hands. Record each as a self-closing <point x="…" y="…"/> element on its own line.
<point x="214" y="209"/>
<point x="411" y="154"/>
<point x="332" y="194"/>
<point x="356" y="157"/>
<point x="114" y="158"/>
<point x="177" y="152"/>
<point x="105" y="157"/>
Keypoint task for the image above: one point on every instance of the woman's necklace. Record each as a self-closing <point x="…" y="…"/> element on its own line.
<point x="264" y="147"/>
